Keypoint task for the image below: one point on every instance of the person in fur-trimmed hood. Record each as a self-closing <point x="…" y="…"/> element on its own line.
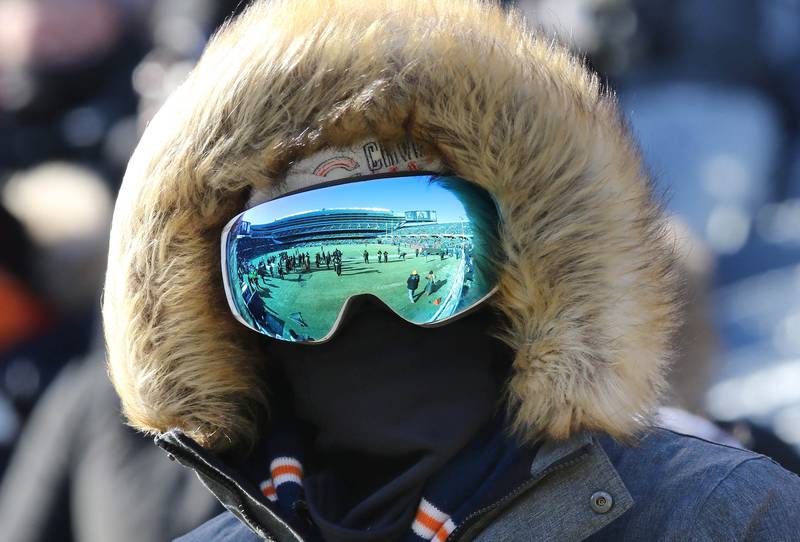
<point x="527" y="418"/>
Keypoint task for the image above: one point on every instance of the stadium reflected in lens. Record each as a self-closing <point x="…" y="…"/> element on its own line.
<point x="424" y="245"/>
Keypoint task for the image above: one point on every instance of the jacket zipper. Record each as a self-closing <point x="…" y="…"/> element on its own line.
<point x="473" y="520"/>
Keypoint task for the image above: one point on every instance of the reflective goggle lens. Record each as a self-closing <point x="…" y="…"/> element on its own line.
<point x="425" y="245"/>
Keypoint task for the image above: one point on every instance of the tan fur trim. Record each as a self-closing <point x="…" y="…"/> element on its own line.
<point x="588" y="288"/>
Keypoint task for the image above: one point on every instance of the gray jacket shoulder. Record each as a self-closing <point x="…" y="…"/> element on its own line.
<point x="757" y="500"/>
<point x="699" y="490"/>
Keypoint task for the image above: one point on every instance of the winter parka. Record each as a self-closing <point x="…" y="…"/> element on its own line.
<point x="587" y="285"/>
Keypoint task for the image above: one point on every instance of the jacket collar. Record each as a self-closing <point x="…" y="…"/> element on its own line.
<point x="573" y="491"/>
<point x="552" y="452"/>
<point x="235" y="492"/>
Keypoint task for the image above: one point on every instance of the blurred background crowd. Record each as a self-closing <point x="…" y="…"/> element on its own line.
<point x="710" y="88"/>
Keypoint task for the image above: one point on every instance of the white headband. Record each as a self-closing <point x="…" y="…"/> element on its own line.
<point x="332" y="164"/>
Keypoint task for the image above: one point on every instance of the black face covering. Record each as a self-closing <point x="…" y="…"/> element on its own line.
<point x="389" y="403"/>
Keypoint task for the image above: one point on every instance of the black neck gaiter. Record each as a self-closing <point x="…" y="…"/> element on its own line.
<point x="388" y="403"/>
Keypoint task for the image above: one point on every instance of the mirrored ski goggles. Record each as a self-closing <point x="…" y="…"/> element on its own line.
<point x="424" y="245"/>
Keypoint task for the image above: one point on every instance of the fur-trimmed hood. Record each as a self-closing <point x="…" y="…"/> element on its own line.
<point x="587" y="289"/>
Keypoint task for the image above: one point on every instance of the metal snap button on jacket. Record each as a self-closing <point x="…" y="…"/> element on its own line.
<point x="602" y="502"/>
